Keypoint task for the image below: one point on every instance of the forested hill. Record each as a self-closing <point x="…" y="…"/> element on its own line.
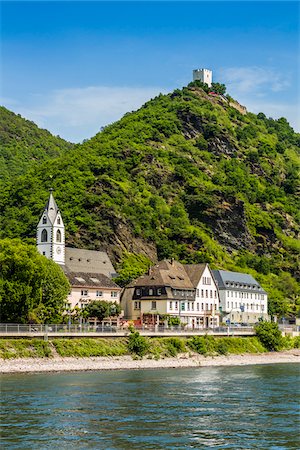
<point x="185" y="176"/>
<point x="22" y="143"/>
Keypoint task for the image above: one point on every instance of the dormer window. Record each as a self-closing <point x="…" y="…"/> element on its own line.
<point x="44" y="236"/>
<point x="44" y="220"/>
<point x="150" y="291"/>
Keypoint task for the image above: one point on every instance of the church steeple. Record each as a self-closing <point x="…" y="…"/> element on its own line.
<point x="51" y="232"/>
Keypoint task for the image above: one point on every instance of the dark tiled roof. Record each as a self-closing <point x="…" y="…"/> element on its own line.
<point x="84" y="279"/>
<point x="165" y="273"/>
<point x="88" y="261"/>
<point x="195" y="272"/>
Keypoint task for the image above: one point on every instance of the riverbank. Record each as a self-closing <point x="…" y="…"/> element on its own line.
<point x="71" y="364"/>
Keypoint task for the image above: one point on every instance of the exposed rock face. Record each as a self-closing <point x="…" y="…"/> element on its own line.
<point x="229" y="223"/>
<point x="124" y="240"/>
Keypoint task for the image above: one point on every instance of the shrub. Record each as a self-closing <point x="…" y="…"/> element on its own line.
<point x="175" y="345"/>
<point x="138" y="344"/>
<point x="269" y="335"/>
<point x="198" y="344"/>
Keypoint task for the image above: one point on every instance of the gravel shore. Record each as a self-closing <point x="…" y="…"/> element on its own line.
<point x="58" y="364"/>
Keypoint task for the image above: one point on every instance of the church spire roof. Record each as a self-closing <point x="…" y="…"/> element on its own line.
<point x="51" y="207"/>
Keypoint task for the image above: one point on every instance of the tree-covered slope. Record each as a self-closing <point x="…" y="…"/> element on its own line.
<point x="185" y="176"/>
<point x="22" y="144"/>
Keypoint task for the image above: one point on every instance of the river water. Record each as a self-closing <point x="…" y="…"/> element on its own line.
<point x="249" y="407"/>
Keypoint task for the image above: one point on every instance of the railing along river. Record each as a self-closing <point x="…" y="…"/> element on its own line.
<point x="86" y="330"/>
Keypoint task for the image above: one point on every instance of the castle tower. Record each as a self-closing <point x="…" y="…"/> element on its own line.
<point x="51" y="233"/>
<point x="204" y="75"/>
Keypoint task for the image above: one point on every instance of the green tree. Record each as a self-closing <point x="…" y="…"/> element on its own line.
<point x="138" y="344"/>
<point x="269" y="335"/>
<point x="102" y="309"/>
<point x="31" y="286"/>
<point x="218" y="88"/>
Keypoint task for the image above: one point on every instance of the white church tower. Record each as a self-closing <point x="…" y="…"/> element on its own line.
<point x="51" y="233"/>
<point x="204" y="75"/>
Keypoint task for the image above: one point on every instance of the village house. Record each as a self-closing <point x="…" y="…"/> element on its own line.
<point x="242" y="298"/>
<point x="89" y="272"/>
<point x="171" y="288"/>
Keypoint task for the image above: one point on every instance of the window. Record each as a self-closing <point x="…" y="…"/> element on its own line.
<point x="58" y="236"/>
<point x="138" y="292"/>
<point x="182" y="306"/>
<point x="192" y="306"/>
<point x="171" y="306"/>
<point x="202" y="306"/>
<point x="137" y="305"/>
<point x="44" y="253"/>
<point x="197" y="292"/>
<point x="202" y="293"/>
<point x="44" y="220"/>
<point x="211" y="294"/>
<point x="206" y="293"/>
<point x="207" y="280"/>
<point x="84" y="292"/>
<point x="188" y="306"/>
<point x="150" y="291"/>
<point x="176" y="305"/>
<point x="99" y="293"/>
<point x="198" y="305"/>
<point x="158" y="291"/>
<point x="58" y="220"/>
<point x="114" y="294"/>
<point x="215" y="294"/>
<point x="153" y="305"/>
<point x="44" y="236"/>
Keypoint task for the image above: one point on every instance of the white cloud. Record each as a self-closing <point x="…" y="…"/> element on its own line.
<point x="79" y="113"/>
<point x="261" y="89"/>
<point x="255" y="79"/>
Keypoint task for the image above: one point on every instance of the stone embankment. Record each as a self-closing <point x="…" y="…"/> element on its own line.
<point x="71" y="364"/>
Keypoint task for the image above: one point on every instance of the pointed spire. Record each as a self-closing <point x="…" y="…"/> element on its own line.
<point x="51" y="207"/>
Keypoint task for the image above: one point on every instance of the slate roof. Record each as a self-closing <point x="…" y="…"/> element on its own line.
<point x="89" y="280"/>
<point x="88" y="261"/>
<point x="165" y="273"/>
<point x="51" y="208"/>
<point x="240" y="279"/>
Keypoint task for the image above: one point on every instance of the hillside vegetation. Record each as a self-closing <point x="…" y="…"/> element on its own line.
<point x="186" y="176"/>
<point x="22" y="144"/>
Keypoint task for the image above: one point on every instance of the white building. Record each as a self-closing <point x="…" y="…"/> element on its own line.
<point x="242" y="298"/>
<point x="207" y="300"/>
<point x="204" y="75"/>
<point x="89" y="272"/>
<point x="184" y="291"/>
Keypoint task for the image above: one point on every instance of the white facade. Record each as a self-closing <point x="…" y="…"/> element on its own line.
<point x="51" y="233"/>
<point x="244" y="306"/>
<point x="242" y="299"/>
<point x="204" y="75"/>
<point x="80" y="296"/>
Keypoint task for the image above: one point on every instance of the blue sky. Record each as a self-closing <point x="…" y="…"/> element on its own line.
<point x="73" y="67"/>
